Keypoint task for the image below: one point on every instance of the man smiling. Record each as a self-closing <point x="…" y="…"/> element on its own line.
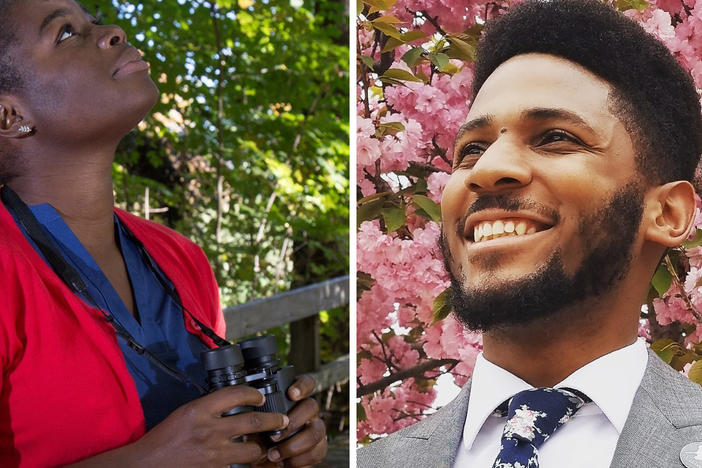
<point x="571" y="177"/>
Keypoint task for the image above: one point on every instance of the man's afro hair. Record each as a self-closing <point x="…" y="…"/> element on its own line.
<point x="653" y="95"/>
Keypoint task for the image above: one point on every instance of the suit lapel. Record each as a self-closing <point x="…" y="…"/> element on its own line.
<point x="666" y="415"/>
<point x="436" y="441"/>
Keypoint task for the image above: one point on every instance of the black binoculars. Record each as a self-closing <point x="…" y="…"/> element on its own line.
<point x="252" y="362"/>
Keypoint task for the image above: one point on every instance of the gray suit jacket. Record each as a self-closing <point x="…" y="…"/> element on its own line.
<point x="665" y="416"/>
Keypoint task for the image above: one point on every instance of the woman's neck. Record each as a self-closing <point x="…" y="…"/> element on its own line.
<point x="81" y="191"/>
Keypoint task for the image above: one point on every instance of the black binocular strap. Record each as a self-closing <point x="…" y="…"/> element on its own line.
<point x="73" y="280"/>
<point x="171" y="291"/>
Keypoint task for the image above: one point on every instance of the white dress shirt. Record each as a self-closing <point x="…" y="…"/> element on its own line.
<point x="587" y="440"/>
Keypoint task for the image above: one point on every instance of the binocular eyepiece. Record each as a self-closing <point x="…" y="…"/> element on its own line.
<point x="225" y="368"/>
<point x="252" y="362"/>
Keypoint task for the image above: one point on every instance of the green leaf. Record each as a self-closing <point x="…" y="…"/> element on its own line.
<point x="391" y="44"/>
<point x="661" y="280"/>
<point x="400" y="75"/>
<point x="369" y="210"/>
<point x="460" y="49"/>
<point x="411" y="36"/>
<point x="666" y="349"/>
<point x="389" y="30"/>
<point x="429" y="206"/>
<point x="387" y="19"/>
<point x="368" y="61"/>
<point x="440" y="60"/>
<point x="424" y="385"/>
<point x="697" y="241"/>
<point x="389" y="128"/>
<point x="379" y="5"/>
<point x="364" y="282"/>
<point x="624" y="5"/>
<point x="442" y="305"/>
<point x="412" y="56"/>
<point x="394" y="217"/>
<point x="394" y="42"/>
<point x="683" y="358"/>
<point x="695" y="373"/>
<point x="360" y="412"/>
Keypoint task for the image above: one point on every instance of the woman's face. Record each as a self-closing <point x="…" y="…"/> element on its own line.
<point x="84" y="82"/>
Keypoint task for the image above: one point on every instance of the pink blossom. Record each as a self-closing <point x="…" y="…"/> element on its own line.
<point x="671" y="309"/>
<point x="435" y="185"/>
<point x="671" y="6"/>
<point x="659" y="25"/>
<point x="695" y="256"/>
<point x="367" y="151"/>
<point x="406" y="265"/>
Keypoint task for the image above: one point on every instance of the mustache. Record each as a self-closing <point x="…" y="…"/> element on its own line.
<point x="507" y="203"/>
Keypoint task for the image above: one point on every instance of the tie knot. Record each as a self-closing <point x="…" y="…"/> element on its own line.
<point x="534" y="414"/>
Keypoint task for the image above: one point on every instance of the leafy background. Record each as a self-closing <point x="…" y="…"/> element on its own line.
<point x="247" y="151"/>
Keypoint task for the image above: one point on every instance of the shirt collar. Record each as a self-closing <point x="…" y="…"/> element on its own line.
<point x="611" y="381"/>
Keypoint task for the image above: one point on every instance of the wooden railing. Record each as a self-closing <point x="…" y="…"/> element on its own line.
<point x="300" y="308"/>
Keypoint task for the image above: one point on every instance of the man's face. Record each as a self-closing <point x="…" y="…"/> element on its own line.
<point x="543" y="204"/>
<point x="72" y="86"/>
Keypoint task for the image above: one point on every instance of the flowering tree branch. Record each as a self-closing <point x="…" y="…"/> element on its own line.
<point x="676" y="281"/>
<point x="405" y="136"/>
<point x="414" y="372"/>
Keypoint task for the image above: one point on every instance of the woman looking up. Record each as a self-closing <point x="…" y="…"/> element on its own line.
<point x="84" y="286"/>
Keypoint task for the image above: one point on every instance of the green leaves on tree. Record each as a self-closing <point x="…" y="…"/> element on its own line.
<point x="695" y="372"/>
<point x="442" y="305"/>
<point x="397" y="76"/>
<point x="661" y="279"/>
<point x="428" y="206"/>
<point x="460" y="49"/>
<point x="694" y="242"/>
<point x="379" y="5"/>
<point x="389" y="128"/>
<point x="666" y="349"/>
<point x="624" y="5"/>
<point x="413" y="56"/>
<point x="671" y="352"/>
<point x="394" y="217"/>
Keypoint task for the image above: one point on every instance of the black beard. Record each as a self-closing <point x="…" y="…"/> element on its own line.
<point x="607" y="235"/>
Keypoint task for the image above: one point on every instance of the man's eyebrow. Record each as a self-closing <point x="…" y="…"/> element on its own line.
<point x="473" y="124"/>
<point x="534" y="113"/>
<point x="550" y="113"/>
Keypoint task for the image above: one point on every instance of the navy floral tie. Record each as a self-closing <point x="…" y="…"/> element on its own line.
<point x="532" y="417"/>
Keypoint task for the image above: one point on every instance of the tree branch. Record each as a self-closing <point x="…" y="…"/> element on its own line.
<point x="220" y="141"/>
<point x="416" y="372"/>
<point x="676" y="279"/>
<point x="433" y="22"/>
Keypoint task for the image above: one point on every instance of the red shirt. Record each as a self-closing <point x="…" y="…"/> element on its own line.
<point x="65" y="391"/>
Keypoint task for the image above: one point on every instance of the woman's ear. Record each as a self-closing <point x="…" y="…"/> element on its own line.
<point x="12" y="121"/>
<point x="670" y="213"/>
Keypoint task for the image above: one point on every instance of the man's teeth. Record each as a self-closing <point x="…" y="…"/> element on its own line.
<point x="487" y="230"/>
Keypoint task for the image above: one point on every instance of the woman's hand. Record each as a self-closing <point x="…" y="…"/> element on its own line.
<point x="309" y="446"/>
<point x="196" y="435"/>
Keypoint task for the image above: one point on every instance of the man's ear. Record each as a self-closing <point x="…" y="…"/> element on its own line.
<point x="12" y="120"/>
<point x="670" y="213"/>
